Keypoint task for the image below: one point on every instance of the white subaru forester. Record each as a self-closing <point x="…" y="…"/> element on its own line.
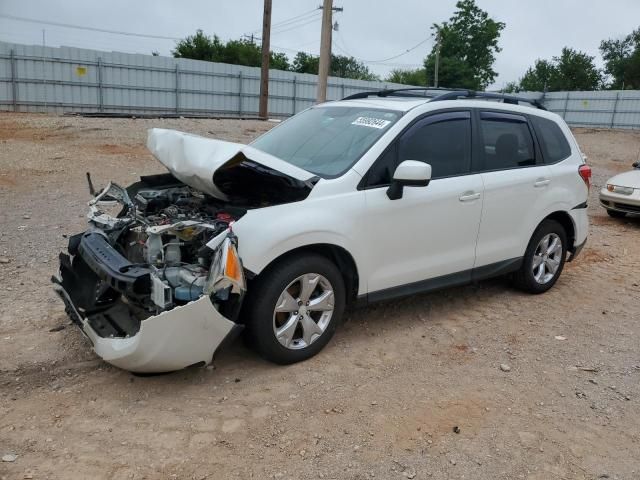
<point x="378" y="196"/>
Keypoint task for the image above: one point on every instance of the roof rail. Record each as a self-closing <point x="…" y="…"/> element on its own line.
<point x="402" y="92"/>
<point x="471" y="94"/>
<point x="451" y="94"/>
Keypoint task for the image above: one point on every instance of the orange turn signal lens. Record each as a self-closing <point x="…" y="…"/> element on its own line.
<point x="610" y="187"/>
<point x="232" y="268"/>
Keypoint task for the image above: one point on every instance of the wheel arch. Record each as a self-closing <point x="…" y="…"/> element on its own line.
<point x="564" y="219"/>
<point x="336" y="254"/>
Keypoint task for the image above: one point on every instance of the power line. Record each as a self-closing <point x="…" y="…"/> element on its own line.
<point x="380" y="61"/>
<point x="289" y="20"/>
<point x="295" y="27"/>
<point x="79" y="27"/>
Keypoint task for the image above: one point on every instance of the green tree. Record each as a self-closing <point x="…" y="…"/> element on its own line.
<point x="572" y="70"/>
<point x="305" y="63"/>
<point x="468" y="46"/>
<point x="417" y="77"/>
<point x="348" y="67"/>
<point x="200" y="47"/>
<point x="622" y="60"/>
<point x="341" y="66"/>
<point x="511" y="87"/>
<point x="235" y="52"/>
<point x="539" y="78"/>
<point x="279" y="61"/>
<point x="575" y="70"/>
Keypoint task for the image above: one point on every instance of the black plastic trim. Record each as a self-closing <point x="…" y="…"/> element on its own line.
<point x="573" y="253"/>
<point x="438" y="283"/>
<point x="108" y="264"/>
<point x="579" y="206"/>
<point x="496" y="269"/>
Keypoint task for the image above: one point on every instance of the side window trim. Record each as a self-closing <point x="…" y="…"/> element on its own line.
<point x="455" y="114"/>
<point x="478" y="146"/>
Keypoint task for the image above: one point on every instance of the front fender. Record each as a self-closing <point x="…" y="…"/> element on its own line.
<point x="266" y="234"/>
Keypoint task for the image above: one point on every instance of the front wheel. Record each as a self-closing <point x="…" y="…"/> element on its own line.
<point x="294" y="308"/>
<point x="544" y="258"/>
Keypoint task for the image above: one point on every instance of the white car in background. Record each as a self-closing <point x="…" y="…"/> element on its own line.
<point x="621" y="193"/>
<point x="378" y="196"/>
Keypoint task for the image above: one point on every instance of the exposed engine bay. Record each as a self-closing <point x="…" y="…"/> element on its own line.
<point x="156" y="282"/>
<point x="154" y="246"/>
<point x="168" y="236"/>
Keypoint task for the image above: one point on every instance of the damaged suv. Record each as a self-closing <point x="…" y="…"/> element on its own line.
<point x="380" y="195"/>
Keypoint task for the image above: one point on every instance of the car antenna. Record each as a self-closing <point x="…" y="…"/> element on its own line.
<point x="92" y="190"/>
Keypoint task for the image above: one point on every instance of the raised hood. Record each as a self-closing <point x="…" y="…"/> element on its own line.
<point x="229" y="171"/>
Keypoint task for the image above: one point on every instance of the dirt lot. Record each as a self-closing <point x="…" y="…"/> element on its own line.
<point x="381" y="401"/>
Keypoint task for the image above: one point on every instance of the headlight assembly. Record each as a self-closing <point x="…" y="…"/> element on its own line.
<point x="620" y="190"/>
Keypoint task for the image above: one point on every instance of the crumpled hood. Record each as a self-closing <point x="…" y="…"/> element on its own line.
<point x="626" y="179"/>
<point x="194" y="160"/>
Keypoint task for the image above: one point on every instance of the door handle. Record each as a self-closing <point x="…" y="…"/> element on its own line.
<point x="542" y="182"/>
<point x="469" y="196"/>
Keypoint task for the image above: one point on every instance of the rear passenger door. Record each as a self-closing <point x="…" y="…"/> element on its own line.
<point x="515" y="183"/>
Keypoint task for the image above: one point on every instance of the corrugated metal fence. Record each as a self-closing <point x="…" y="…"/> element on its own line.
<point x="604" y="109"/>
<point x="46" y="79"/>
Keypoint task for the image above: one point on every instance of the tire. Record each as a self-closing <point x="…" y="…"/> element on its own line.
<point x="616" y="214"/>
<point x="299" y="339"/>
<point x="539" y="279"/>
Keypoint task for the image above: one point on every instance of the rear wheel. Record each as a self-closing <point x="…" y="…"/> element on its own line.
<point x="616" y="214"/>
<point x="544" y="258"/>
<point x="294" y="308"/>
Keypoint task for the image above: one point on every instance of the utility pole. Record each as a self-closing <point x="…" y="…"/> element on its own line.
<point x="325" y="48"/>
<point x="266" y="50"/>
<point x="437" y="66"/>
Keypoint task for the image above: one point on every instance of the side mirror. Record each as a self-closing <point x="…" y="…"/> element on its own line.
<point x="635" y="164"/>
<point x="409" y="173"/>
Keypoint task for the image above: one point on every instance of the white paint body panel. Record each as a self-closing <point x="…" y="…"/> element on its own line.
<point x="193" y="159"/>
<point x="172" y="340"/>
<point x="627" y="179"/>
<point x="429" y="232"/>
<point x="512" y="209"/>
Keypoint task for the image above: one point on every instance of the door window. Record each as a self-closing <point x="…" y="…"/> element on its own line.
<point x="442" y="140"/>
<point x="506" y="141"/>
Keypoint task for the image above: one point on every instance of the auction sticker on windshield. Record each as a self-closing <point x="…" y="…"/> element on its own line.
<point x="371" y="122"/>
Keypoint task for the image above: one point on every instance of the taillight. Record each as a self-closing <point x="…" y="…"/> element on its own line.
<point x="585" y="174"/>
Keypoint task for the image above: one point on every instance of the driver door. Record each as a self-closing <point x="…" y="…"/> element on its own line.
<point x="427" y="238"/>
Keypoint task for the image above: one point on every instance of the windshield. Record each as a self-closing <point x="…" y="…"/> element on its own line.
<point x="327" y="141"/>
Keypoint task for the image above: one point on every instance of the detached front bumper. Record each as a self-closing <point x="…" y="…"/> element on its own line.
<point x="184" y="336"/>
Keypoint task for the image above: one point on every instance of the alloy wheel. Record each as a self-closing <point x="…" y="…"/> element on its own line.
<point x="303" y="311"/>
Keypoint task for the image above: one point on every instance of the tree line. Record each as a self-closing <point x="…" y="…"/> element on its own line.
<point x="466" y="47"/>
<point x="246" y="52"/>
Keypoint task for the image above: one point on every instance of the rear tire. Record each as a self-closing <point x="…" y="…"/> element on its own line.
<point x="544" y="258"/>
<point x="294" y="308"/>
<point x="616" y="214"/>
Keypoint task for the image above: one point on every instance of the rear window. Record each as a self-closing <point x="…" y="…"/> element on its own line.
<point x="553" y="142"/>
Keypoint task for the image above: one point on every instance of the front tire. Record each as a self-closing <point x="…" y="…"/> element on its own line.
<point x="294" y="308"/>
<point x="544" y="258"/>
<point x="616" y="214"/>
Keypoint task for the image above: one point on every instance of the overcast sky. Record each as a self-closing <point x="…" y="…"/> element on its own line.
<point x="368" y="30"/>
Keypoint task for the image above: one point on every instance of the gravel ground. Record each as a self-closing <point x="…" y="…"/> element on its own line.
<point x="383" y="400"/>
